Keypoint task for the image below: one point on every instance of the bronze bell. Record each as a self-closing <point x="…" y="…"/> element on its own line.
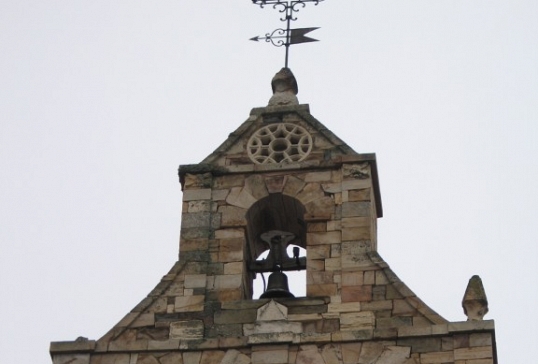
<point x="277" y="286"/>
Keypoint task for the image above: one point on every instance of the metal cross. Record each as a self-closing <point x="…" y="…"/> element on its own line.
<point x="286" y="37"/>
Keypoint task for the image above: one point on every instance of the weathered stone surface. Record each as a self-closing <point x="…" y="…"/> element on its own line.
<point x="229" y="281"/>
<point x="239" y="197"/>
<point x="356" y="209"/>
<point x="479" y="352"/>
<point x="211" y="356"/>
<point x="193" y="329"/>
<point x="271" y="338"/>
<point x="233" y="356"/>
<point x="310" y="192"/>
<point x="357" y="321"/>
<point x="110" y="358"/>
<point x="331" y="354"/>
<point x="394" y="355"/>
<point x="270" y="327"/>
<point x="147" y="359"/>
<point x="229" y="181"/>
<point x="293" y="185"/>
<point x="275" y="184"/>
<point x="437" y="357"/>
<point x="320" y="208"/>
<point x="232" y="216"/>
<point x="233" y="268"/>
<point x="255" y="186"/>
<point x="192" y="357"/>
<point x="351" y="353"/>
<point x="272" y="311"/>
<point x="202" y="180"/>
<point x="189" y="303"/>
<point x="195" y="280"/>
<point x="71" y="359"/>
<point x="279" y="356"/>
<point x="356" y="293"/>
<point x="235" y="316"/>
<point x="370" y="352"/>
<point x="354" y="254"/>
<point x="200" y="194"/>
<point x="360" y="195"/>
<point x="171" y="358"/>
<point x="310" y="355"/>
<point x="322" y="238"/>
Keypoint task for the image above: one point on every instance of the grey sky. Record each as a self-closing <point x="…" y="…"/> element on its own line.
<point x="100" y="101"/>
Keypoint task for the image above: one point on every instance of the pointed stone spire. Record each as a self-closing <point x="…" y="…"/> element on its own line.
<point x="285" y="89"/>
<point x="475" y="302"/>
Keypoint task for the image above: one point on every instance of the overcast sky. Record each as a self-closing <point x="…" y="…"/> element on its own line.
<point x="100" y="101"/>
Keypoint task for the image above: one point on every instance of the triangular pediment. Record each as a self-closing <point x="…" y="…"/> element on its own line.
<point x="281" y="135"/>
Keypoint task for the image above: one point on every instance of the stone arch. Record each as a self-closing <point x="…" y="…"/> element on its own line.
<point x="276" y="211"/>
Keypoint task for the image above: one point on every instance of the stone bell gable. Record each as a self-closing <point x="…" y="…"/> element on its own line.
<point x="283" y="174"/>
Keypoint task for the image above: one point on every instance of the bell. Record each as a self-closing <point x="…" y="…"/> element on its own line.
<point x="277" y="286"/>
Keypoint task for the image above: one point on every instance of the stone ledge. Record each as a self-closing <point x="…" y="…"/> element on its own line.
<point x="72" y="346"/>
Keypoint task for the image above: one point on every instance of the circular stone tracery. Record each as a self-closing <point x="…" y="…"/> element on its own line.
<point x="279" y="143"/>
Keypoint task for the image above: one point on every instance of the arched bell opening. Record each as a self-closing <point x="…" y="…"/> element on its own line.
<point x="276" y="234"/>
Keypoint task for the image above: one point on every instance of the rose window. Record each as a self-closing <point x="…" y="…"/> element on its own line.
<point x="279" y="143"/>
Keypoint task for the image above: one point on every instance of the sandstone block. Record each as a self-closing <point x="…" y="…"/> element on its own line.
<point x="171" y="358"/>
<point x="232" y="216"/>
<point x="369" y="352"/>
<point x="360" y="195"/>
<point x="394" y="355"/>
<point x="255" y="186"/>
<point x="357" y="321"/>
<point x="229" y="233"/>
<point x="319" y="251"/>
<point x="356" y="233"/>
<point x="314" y="290"/>
<point x="211" y="356"/>
<point x="195" y="280"/>
<point x="351" y="353"/>
<point x="229" y="181"/>
<point x="189" y="303"/>
<point x="310" y="192"/>
<point x="275" y="184"/>
<point x="192" y="357"/>
<point x="272" y="311"/>
<point x="228" y="281"/>
<point x="193" y="329"/>
<point x="239" y="197"/>
<point x="357" y="184"/>
<point x="356" y="209"/>
<point x="270" y="357"/>
<point x="357" y="293"/>
<point x="437" y="358"/>
<point x="480" y="340"/>
<point x="233" y="268"/>
<point x="311" y="356"/>
<point x="344" y="307"/>
<point x="272" y="338"/>
<point x="293" y="185"/>
<point x="235" y="316"/>
<point x="198" y="194"/>
<point x="219" y="195"/>
<point x="479" y="352"/>
<point x="272" y="327"/>
<point x="72" y="359"/>
<point x="322" y="238"/>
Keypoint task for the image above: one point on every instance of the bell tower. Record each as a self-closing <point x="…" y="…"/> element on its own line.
<point x="282" y="178"/>
<point x="283" y="183"/>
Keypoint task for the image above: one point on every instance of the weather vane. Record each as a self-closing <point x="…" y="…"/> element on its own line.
<point x="286" y="37"/>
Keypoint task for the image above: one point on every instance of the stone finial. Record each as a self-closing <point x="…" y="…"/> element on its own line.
<point x="475" y="302"/>
<point x="285" y="89"/>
